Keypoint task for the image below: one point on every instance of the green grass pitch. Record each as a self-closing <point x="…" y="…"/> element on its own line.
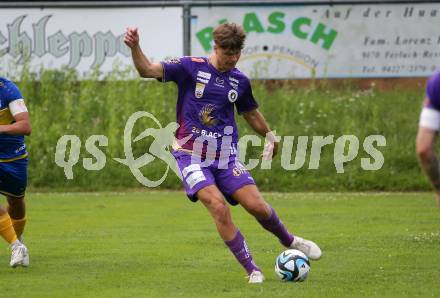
<point x="158" y="244"/>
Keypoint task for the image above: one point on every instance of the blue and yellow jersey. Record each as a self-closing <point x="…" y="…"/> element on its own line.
<point x="11" y="147"/>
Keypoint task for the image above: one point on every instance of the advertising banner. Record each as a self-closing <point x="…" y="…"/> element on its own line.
<point x="340" y="41"/>
<point x="84" y="38"/>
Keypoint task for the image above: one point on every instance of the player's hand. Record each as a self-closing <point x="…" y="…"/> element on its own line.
<point x="270" y="150"/>
<point x="131" y="37"/>
<point x="271" y="147"/>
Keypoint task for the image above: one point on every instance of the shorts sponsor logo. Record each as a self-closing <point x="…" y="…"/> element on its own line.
<point x="190" y="169"/>
<point x="195" y="178"/>
<point x="238" y="170"/>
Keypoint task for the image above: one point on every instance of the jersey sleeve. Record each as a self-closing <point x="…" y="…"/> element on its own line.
<point x="11" y="93"/>
<point x="10" y="99"/>
<point x="176" y="69"/>
<point x="433" y="92"/>
<point x="246" y="102"/>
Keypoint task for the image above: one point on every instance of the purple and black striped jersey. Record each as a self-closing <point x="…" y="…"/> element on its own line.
<point x="206" y="100"/>
<point x="11" y="146"/>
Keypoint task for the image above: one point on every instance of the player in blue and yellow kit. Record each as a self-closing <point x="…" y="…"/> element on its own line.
<point x="14" y="125"/>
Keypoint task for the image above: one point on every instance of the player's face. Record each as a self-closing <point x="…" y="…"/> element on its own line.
<point x="226" y="58"/>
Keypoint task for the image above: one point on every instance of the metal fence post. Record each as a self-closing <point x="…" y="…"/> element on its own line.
<point x="186" y="16"/>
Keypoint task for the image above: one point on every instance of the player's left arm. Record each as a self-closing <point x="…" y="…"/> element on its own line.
<point x="259" y="124"/>
<point x="22" y="124"/>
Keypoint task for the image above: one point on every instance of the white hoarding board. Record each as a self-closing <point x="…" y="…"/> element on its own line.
<point x="394" y="40"/>
<point x="83" y="39"/>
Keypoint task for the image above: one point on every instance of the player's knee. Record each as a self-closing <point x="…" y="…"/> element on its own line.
<point x="256" y="205"/>
<point x="259" y="209"/>
<point x="424" y="151"/>
<point x="220" y="211"/>
<point x="16" y="208"/>
<point x="15" y="202"/>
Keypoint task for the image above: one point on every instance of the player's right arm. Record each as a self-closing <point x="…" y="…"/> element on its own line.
<point x="145" y="68"/>
<point x="17" y="120"/>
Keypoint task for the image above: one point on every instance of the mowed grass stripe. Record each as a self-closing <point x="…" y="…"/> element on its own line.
<point x="158" y="244"/>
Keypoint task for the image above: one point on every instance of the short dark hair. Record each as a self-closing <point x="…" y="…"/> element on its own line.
<point x="229" y="36"/>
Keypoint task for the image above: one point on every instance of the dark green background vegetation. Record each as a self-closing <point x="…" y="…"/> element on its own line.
<point x="61" y="104"/>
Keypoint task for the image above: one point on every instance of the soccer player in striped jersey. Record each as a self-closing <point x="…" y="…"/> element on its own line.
<point x="14" y="125"/>
<point x="209" y="88"/>
<point x="429" y="126"/>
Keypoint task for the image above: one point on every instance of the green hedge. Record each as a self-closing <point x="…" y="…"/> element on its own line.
<point x="61" y="104"/>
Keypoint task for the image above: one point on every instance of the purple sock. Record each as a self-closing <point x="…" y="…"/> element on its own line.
<point x="276" y="227"/>
<point x="241" y="252"/>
